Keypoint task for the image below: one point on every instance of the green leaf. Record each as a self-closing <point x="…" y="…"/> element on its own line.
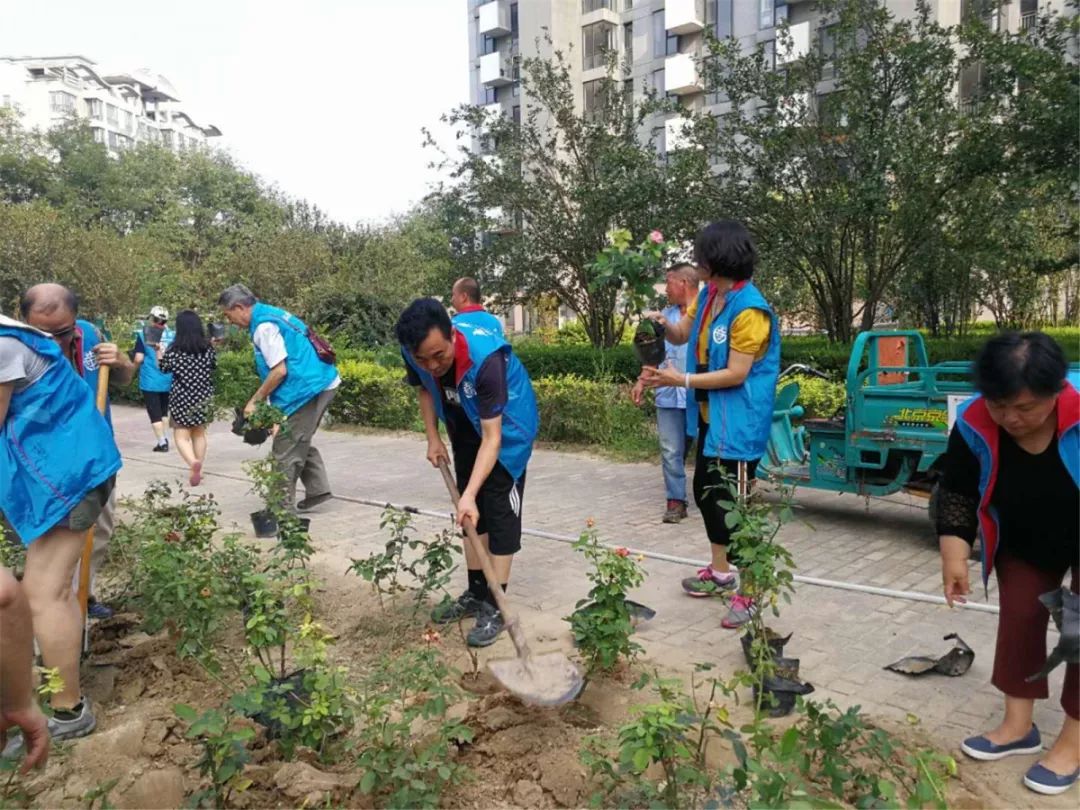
<point x="185" y="712"/>
<point x="367" y="782"/>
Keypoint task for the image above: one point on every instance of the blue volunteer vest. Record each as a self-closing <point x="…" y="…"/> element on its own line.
<point x="54" y="445"/>
<point x="91" y="338"/>
<point x="151" y="377"/>
<point x="481" y="318"/>
<point x="739" y="417"/>
<point x="673" y="396"/>
<point x="520" y="418"/>
<point x="307" y="376"/>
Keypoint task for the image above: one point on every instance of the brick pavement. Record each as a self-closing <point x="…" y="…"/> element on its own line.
<point x="843" y="638"/>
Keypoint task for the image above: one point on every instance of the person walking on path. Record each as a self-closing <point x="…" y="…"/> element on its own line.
<point x="671" y="425"/>
<point x="153" y="382"/>
<point x="736" y="342"/>
<point x="472" y="380"/>
<point x="191" y="361"/>
<point x="1010" y="475"/>
<point x="296" y="379"/>
<point x="469" y="308"/>
<point x="58" y="462"/>
<point x="54" y="309"/>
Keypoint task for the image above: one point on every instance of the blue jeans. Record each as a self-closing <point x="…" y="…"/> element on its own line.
<point x="671" y="425"/>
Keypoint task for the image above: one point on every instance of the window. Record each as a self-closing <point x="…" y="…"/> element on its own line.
<point x="656" y="81"/>
<point x="489" y="95"/>
<point x="659" y="33"/>
<point x="780" y="13"/>
<point x="488" y="45"/>
<point x="827" y="34"/>
<point x="716" y="94"/>
<point x="167" y="138"/>
<point x="1029" y="14"/>
<point x="594" y="98"/>
<point x="514" y="20"/>
<point x="628" y="43"/>
<point x="971" y="85"/>
<point x="598" y="40"/>
<point x="516" y="115"/>
<point x="95" y="108"/>
<point x="515" y="69"/>
<point x="61" y="102"/>
<point x="98" y="133"/>
<point x="765" y="14"/>
<point x="112" y="115"/>
<point x="724" y="18"/>
<point x="589" y="6"/>
<point x="129" y="121"/>
<point x="113" y="140"/>
<point x="769" y="54"/>
<point x="5" y="101"/>
<point x="181" y="141"/>
<point x="516" y="91"/>
<point x="987" y="11"/>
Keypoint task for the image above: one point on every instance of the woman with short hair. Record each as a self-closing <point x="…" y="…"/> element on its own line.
<point x="1010" y="476"/>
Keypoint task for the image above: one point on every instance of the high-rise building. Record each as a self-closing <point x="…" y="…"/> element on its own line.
<point x="122" y="108"/>
<point x="662" y="42"/>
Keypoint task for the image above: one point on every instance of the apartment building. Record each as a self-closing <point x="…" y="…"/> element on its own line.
<point x="662" y="42"/>
<point x="122" y="108"/>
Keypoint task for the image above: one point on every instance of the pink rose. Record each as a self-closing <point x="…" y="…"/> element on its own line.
<point x="656" y="237"/>
<point x="623" y="552"/>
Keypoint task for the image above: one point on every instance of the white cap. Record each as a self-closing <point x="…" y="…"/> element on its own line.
<point x="160" y="313"/>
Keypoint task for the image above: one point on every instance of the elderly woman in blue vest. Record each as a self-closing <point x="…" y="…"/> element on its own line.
<point x="1010" y="476"/>
<point x="469" y="308"/>
<point x="58" y="462"/>
<point x="294" y="379"/>
<point x="54" y="309"/>
<point x="154" y="383"/>
<point x="471" y="379"/>
<point x="735" y="341"/>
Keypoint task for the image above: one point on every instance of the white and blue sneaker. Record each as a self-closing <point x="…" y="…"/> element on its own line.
<point x="982" y="749"/>
<point x="1043" y="780"/>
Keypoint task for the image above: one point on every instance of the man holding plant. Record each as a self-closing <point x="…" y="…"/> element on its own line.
<point x="469" y="377"/>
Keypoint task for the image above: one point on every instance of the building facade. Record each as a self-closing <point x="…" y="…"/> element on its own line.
<point x="122" y="109"/>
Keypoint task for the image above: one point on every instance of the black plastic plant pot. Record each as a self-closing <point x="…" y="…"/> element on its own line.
<point x="264" y="523"/>
<point x="252" y="436"/>
<point x="776" y="644"/>
<point x="783" y="693"/>
<point x="216" y="331"/>
<point x="649" y="348"/>
<point x="291" y="689"/>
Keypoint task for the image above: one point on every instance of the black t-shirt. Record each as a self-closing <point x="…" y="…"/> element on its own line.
<point x="1037" y="502"/>
<point x="491" y="397"/>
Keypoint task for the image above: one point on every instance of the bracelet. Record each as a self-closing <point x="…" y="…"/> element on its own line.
<point x="686" y="380"/>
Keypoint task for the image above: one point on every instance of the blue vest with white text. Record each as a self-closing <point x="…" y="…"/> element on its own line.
<point x="306" y="375"/>
<point x="739" y="417"/>
<point x="520" y="418"/>
<point x="152" y="378"/>
<point x="54" y="445"/>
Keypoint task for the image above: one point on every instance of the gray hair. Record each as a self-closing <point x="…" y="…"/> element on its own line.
<point x="237" y="296"/>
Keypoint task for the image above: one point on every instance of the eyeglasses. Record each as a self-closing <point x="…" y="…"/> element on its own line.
<point x="60" y="334"/>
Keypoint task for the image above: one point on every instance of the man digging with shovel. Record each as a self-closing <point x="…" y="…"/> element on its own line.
<point x="469" y="377"/>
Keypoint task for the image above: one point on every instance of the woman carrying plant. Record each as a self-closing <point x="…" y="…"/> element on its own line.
<point x="736" y="346"/>
<point x="191" y="361"/>
<point x="1010" y="475"/>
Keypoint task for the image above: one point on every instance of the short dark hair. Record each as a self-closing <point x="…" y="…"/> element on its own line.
<point x="726" y="249"/>
<point x="29" y="302"/>
<point x="470" y="288"/>
<point x="1011" y="362"/>
<point x="190" y="334"/>
<point x="417" y="321"/>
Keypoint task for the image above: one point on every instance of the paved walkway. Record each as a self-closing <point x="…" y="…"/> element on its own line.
<point x="843" y="638"/>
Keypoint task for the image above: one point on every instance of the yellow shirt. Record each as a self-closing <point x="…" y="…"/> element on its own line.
<point x="749" y="335"/>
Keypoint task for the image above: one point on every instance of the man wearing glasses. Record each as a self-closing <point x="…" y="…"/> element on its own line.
<point x="54" y="309"/>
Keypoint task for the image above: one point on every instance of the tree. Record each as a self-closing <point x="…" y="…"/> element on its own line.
<point x="546" y="191"/>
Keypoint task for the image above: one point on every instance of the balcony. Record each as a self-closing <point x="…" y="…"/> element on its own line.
<point x="677" y="134"/>
<point x="798" y="47"/>
<point x="681" y="76"/>
<point x="684" y="16"/>
<point x="1029" y="20"/>
<point x="495" y="18"/>
<point x="496" y="69"/>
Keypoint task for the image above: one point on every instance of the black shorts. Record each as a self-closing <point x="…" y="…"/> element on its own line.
<point x="499" y="501"/>
<point x="157" y="405"/>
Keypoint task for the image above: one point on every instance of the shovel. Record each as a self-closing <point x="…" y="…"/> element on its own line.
<point x="548" y="679"/>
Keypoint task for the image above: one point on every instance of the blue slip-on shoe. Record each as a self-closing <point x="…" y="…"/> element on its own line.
<point x="981" y="748"/>
<point x="1043" y="780"/>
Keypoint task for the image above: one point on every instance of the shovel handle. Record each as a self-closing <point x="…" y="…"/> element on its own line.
<point x="101" y="400"/>
<point x="518" y="637"/>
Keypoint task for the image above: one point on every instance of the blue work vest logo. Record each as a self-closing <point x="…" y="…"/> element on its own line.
<point x="468" y="389"/>
<point x="719" y="334"/>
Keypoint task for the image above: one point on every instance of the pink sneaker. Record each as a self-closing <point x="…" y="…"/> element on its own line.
<point x="742" y="610"/>
<point x="710" y="582"/>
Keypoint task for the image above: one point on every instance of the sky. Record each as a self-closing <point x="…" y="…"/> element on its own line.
<point x="324" y="99"/>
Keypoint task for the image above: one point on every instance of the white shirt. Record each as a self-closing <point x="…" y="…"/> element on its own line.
<point x="271" y="345"/>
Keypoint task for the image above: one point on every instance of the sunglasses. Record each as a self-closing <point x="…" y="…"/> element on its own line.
<point x="158" y="321"/>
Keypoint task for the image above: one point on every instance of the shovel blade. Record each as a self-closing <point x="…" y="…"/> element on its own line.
<point x="549" y="679"/>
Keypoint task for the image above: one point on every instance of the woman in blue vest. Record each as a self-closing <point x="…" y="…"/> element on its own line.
<point x="471" y="379"/>
<point x="1010" y="476"/>
<point x="58" y="462"/>
<point x="735" y="342"/>
<point x="153" y="382"/>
